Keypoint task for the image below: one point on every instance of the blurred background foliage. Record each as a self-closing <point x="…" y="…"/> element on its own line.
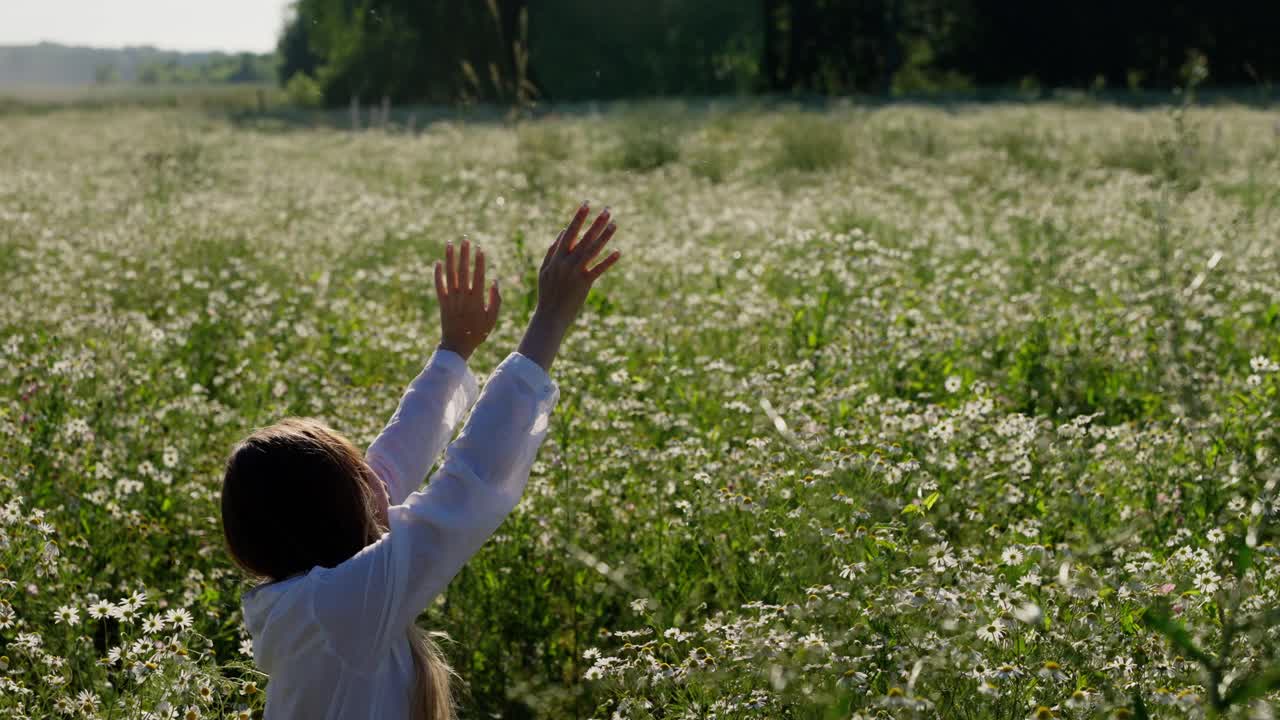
<point x="513" y="50"/>
<point x="516" y="52"/>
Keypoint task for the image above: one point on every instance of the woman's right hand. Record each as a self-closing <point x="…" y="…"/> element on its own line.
<point x="563" y="283"/>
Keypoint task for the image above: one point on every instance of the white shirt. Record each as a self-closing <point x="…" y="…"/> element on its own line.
<point x="335" y="640"/>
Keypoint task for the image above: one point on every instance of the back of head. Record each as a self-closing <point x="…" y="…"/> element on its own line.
<point x="294" y="496"/>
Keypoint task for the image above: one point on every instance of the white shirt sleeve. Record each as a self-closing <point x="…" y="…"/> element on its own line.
<point x="429" y="411"/>
<point x="368" y="602"/>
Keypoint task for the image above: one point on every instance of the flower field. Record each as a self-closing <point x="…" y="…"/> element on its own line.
<point x="900" y="412"/>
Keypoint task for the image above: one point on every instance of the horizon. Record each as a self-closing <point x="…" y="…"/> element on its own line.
<point x="185" y="26"/>
<point x="134" y="46"/>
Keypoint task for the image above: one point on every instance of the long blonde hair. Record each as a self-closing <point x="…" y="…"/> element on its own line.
<point x="297" y="494"/>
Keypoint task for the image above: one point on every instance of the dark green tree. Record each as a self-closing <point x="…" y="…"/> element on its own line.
<point x="407" y="50"/>
<point x="584" y="49"/>
<point x="294" y="48"/>
<point x="511" y="50"/>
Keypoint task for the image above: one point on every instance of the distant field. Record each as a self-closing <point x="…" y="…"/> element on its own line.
<point x="200" y="97"/>
<point x="905" y="412"/>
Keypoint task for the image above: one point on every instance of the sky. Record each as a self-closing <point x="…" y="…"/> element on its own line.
<point x="227" y="25"/>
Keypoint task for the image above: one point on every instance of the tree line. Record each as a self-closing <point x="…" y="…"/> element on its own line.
<point x="243" y="68"/>
<point x="518" y="50"/>
<point x="52" y="64"/>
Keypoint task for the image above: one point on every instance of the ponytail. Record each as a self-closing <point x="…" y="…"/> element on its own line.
<point x="432" y="699"/>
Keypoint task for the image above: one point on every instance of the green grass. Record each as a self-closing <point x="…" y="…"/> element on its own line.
<point x="810" y="143"/>
<point x="217" y="98"/>
<point x="865" y="385"/>
<point x="647" y="139"/>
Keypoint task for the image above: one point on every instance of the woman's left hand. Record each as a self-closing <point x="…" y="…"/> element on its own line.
<point x="465" y="322"/>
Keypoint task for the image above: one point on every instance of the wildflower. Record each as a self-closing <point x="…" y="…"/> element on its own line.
<point x="852" y="570"/>
<point x="992" y="632"/>
<point x="677" y="634"/>
<point x="28" y="641"/>
<point x="114" y="655"/>
<point x="941" y="558"/>
<point x="1052" y="671"/>
<point x="852" y="678"/>
<point x="87" y="702"/>
<point x="100" y="609"/>
<point x="814" y="640"/>
<point x="897" y="697"/>
<point x="67" y="614"/>
<point x="124" y="612"/>
<point x="179" y="618"/>
<point x="1207" y="582"/>
<point x="1006" y="672"/>
<point x="1079" y="700"/>
<point x="1004" y="596"/>
<point x="1262" y="363"/>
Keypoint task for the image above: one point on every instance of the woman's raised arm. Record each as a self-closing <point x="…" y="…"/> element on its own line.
<point x="368" y="601"/>
<point x="430" y="410"/>
<point x="440" y="396"/>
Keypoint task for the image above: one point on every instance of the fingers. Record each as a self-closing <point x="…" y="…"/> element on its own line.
<point x="464" y="272"/>
<point x="552" y="250"/>
<point x="495" y="302"/>
<point x="441" y="292"/>
<point x="593" y="232"/>
<point x="478" y="285"/>
<point x="571" y="232"/>
<point x="451" y="271"/>
<point x="589" y="252"/>
<point x="604" y="265"/>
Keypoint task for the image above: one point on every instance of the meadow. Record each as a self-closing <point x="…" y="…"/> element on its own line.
<point x="894" y="412"/>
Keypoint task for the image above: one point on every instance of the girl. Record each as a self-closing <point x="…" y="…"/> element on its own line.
<point x="349" y="549"/>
